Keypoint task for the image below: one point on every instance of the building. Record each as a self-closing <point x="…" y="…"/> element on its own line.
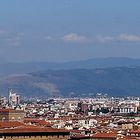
<point x="14" y="99"/>
<point x="11" y="115"/>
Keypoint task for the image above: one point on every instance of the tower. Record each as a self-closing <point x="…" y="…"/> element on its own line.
<point x="14" y="99"/>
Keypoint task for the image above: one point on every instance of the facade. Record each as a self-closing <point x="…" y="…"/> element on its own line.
<point x="11" y="115"/>
<point x="125" y="108"/>
<point x="14" y="99"/>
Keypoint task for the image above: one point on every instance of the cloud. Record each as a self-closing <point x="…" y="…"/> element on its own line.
<point x="128" y="37"/>
<point x="11" y="38"/>
<point x="103" y="39"/>
<point x="73" y="37"/>
<point x="122" y="37"/>
<point x="14" y="40"/>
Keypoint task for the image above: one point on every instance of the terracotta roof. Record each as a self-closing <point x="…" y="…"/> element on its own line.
<point x="80" y="137"/>
<point x="31" y="129"/>
<point x="76" y="131"/>
<point x="82" y="118"/>
<point x="134" y="131"/>
<point x="94" y="129"/>
<point x="128" y="138"/>
<point x="105" y="135"/>
<point x="37" y="122"/>
<point x="11" y="124"/>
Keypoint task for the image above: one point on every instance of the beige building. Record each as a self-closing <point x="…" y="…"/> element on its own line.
<point x="11" y="115"/>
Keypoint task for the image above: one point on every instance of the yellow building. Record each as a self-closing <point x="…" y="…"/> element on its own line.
<point x="11" y="115"/>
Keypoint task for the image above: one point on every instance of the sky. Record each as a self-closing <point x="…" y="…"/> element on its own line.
<point x="68" y="30"/>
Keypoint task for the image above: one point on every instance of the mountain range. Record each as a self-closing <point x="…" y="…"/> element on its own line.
<point x="114" y="76"/>
<point x="8" y="68"/>
<point x="115" y="81"/>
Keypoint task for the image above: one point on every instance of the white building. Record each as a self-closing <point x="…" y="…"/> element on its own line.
<point x="14" y="99"/>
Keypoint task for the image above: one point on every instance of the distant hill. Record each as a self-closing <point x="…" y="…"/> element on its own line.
<point x="7" y="68"/>
<point x="117" y="81"/>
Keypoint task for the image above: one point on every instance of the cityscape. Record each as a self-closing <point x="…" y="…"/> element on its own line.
<point x="100" y="117"/>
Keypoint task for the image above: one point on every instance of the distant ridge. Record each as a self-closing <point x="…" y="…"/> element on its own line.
<point x="116" y="81"/>
<point x="7" y="68"/>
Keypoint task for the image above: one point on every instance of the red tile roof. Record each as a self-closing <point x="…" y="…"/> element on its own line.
<point x="11" y="124"/>
<point x="80" y="137"/>
<point x="128" y="138"/>
<point x="37" y="122"/>
<point x="31" y="129"/>
<point x="105" y="135"/>
<point x="134" y="131"/>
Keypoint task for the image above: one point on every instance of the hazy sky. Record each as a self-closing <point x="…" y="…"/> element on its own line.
<point x="65" y="30"/>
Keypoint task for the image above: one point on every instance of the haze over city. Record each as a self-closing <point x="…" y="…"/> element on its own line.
<point x="68" y="30"/>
